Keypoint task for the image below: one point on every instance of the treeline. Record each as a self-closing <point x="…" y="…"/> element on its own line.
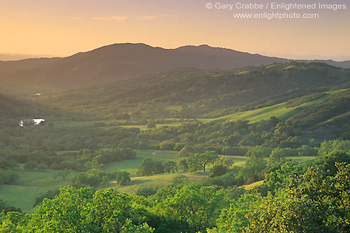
<point x="67" y="148"/>
<point x="150" y="167"/>
<point x="229" y="137"/>
<point x="293" y="198"/>
<point x="66" y="138"/>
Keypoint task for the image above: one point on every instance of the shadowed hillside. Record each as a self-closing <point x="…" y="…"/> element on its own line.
<point x="118" y="61"/>
<point x="196" y="93"/>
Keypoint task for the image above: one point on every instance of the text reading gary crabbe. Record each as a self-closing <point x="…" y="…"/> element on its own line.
<point x="276" y="6"/>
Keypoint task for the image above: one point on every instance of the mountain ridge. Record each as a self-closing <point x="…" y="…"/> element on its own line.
<point x="118" y="61"/>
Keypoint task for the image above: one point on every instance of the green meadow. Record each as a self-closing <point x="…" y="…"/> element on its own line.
<point x="31" y="184"/>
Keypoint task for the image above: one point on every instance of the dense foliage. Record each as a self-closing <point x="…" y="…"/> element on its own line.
<point x="231" y="138"/>
<point x="299" y="200"/>
<point x="192" y="93"/>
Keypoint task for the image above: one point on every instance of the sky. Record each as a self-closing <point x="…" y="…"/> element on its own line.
<point x="66" y="27"/>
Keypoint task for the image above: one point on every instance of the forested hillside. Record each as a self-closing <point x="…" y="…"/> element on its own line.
<point x="195" y="93"/>
<point x="303" y="88"/>
<point x="120" y="62"/>
<point x="12" y="110"/>
<point x="116" y="62"/>
<point x="11" y="107"/>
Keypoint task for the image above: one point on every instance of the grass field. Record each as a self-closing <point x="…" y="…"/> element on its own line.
<point x="31" y="184"/>
<point x="238" y="160"/>
<point x="279" y="110"/>
<point x="109" y="124"/>
<point x="132" y="165"/>
<point x="156" y="181"/>
<point x="253" y="185"/>
<point x="82" y="123"/>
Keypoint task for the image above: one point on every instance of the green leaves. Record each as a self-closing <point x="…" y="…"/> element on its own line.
<point x="313" y="202"/>
<point x="84" y="210"/>
<point x="123" y="178"/>
<point x="190" y="207"/>
<point x="235" y="217"/>
<point x="199" y="161"/>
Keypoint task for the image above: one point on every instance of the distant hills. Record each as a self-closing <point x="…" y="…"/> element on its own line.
<point x="116" y="62"/>
<point x="138" y="83"/>
<point x="198" y="93"/>
<point x="15" y="57"/>
<point x="119" y="61"/>
<point x="314" y="97"/>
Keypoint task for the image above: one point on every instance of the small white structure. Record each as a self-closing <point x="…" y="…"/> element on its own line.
<point x="29" y="122"/>
<point x="38" y="121"/>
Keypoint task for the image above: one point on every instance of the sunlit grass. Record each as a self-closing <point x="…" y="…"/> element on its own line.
<point x="253" y="185"/>
<point x="156" y="181"/>
<point x="29" y="185"/>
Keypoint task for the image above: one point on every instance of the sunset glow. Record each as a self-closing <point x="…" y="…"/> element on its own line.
<point x="65" y="27"/>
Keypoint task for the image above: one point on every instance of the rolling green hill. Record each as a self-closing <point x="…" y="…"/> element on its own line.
<point x="192" y="93"/>
<point x="322" y="115"/>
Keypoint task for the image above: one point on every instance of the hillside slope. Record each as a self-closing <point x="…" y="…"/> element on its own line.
<point x="116" y="62"/>
<point x="12" y="110"/>
<point x="10" y="107"/>
<point x="196" y="93"/>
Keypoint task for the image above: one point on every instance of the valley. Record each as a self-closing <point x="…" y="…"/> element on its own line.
<point x="182" y="147"/>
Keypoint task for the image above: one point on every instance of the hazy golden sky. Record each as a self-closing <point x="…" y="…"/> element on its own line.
<point x="65" y="27"/>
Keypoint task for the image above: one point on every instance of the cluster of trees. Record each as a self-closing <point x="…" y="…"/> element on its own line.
<point x="93" y="177"/>
<point x="293" y="198"/>
<point x="49" y="147"/>
<point x="330" y="146"/>
<point x="81" y="160"/>
<point x="37" y="147"/>
<point x="86" y="162"/>
<point x="5" y="208"/>
<point x="7" y="176"/>
<point x="230" y="138"/>
<point x="150" y="167"/>
<point x="122" y="178"/>
<point x="309" y="202"/>
<point x="41" y="160"/>
<point x="198" y="161"/>
<point x="81" y="210"/>
<point x="50" y="138"/>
